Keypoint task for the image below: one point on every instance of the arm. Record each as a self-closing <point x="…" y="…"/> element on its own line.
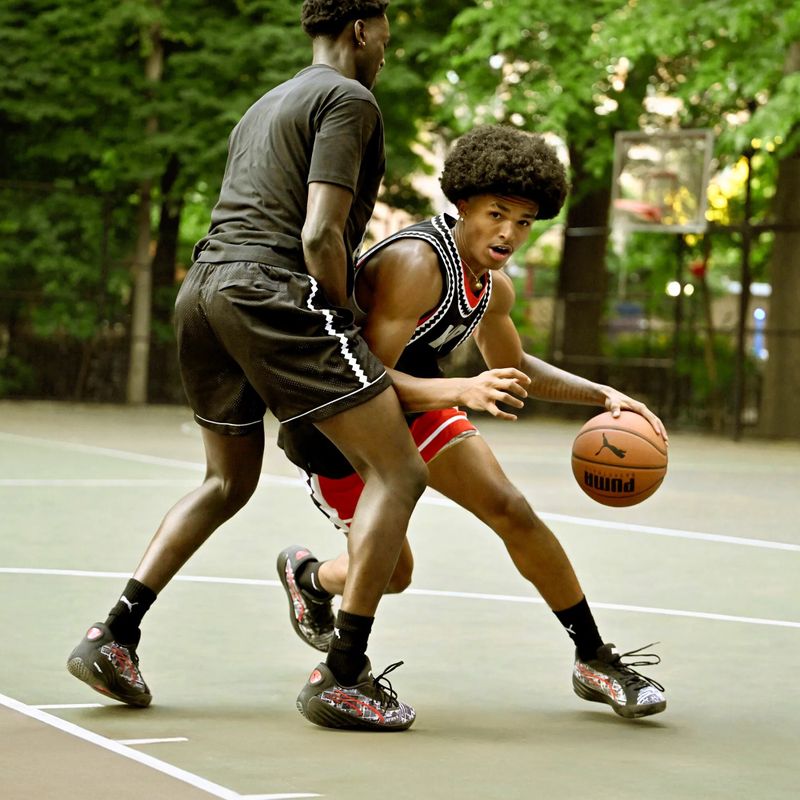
<point x="500" y="345"/>
<point x="323" y="238"/>
<point x="349" y="131"/>
<point x="401" y="284"/>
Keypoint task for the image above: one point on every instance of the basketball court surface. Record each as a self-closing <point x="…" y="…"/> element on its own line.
<point x="707" y="567"/>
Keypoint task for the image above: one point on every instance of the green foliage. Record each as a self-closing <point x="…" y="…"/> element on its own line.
<point x="62" y="276"/>
<point x="721" y="59"/>
<point x="80" y="121"/>
<point x="16" y="376"/>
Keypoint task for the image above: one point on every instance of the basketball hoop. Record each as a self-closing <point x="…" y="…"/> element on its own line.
<point x="660" y="181"/>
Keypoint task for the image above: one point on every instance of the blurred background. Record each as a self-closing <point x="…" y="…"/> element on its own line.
<point x="672" y="273"/>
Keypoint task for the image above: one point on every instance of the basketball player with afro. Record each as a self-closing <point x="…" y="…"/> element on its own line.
<point x="420" y="294"/>
<point x="262" y="323"/>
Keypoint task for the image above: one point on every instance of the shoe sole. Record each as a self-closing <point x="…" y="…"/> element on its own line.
<point x="282" y="559"/>
<point x="78" y="669"/>
<point x="320" y="713"/>
<point x="629" y="712"/>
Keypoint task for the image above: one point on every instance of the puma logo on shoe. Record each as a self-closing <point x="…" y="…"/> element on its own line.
<point x="615" y="450"/>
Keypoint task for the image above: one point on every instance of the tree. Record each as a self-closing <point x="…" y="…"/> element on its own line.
<point x="780" y="415"/>
<point x="752" y="103"/>
<point x="153" y="140"/>
<point x="159" y="86"/>
<point x="551" y="71"/>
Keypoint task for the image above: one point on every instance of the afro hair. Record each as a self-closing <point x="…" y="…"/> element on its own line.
<point x="499" y="159"/>
<point x="328" y="17"/>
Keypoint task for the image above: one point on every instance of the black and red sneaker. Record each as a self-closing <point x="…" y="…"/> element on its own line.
<point x="608" y="679"/>
<point x="109" y="667"/>
<point x="311" y="618"/>
<point x="370" y="704"/>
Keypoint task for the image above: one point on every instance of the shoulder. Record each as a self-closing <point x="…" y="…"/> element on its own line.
<point x="503" y="293"/>
<point x="340" y="88"/>
<point x="328" y="88"/>
<point x="405" y="268"/>
<point x="405" y="259"/>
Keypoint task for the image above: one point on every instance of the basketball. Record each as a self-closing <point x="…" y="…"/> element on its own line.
<point x="619" y="461"/>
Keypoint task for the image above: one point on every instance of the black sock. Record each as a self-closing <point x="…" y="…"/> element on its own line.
<point x="580" y="625"/>
<point x="347" y="653"/>
<point x="126" y="616"/>
<point x="308" y="580"/>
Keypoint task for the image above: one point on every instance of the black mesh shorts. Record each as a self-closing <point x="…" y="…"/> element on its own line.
<point x="252" y="337"/>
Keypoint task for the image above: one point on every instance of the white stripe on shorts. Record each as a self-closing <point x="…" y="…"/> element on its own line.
<point x="335" y="400"/>
<point x="344" y="346"/>
<point x="343" y="343"/>
<point x="461" y="415"/>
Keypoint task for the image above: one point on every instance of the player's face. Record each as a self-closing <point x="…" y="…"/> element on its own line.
<point x="494" y="227"/>
<point x="371" y="57"/>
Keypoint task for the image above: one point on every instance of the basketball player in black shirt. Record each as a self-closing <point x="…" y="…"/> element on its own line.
<point x="422" y="292"/>
<point x="262" y="323"/>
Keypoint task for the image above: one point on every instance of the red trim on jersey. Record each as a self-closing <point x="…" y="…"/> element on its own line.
<point x="431" y="431"/>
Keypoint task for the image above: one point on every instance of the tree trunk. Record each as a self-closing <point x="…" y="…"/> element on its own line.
<point x="582" y="278"/>
<point x="780" y="411"/>
<point x="164" y="382"/>
<point x="142" y="264"/>
<point x="168" y="228"/>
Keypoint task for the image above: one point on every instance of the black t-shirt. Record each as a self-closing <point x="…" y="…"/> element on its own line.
<point x="317" y="126"/>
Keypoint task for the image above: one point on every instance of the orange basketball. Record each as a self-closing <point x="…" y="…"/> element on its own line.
<point x="619" y="462"/>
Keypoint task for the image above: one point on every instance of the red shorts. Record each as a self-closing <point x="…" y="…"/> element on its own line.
<point x="432" y="431"/>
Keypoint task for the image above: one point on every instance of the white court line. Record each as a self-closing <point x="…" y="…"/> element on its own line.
<point x="125" y="455"/>
<point x="505" y="598"/>
<point x="678" y="534"/>
<point x="667" y="612"/>
<point x="165" y="740"/>
<point x="429" y="498"/>
<point x="134" y="755"/>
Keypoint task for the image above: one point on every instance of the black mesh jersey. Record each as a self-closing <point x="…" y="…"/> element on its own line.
<point x="459" y="310"/>
<point x="438" y="333"/>
<point x="317" y="126"/>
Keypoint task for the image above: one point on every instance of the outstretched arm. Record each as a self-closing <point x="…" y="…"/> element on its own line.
<point x="500" y="345"/>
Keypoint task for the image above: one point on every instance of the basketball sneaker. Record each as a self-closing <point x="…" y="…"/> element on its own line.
<point x="311" y="618"/>
<point x="371" y="704"/>
<point x="109" y="667"/>
<point x="607" y="679"/>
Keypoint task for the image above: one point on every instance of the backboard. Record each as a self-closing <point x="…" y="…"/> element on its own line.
<point x="661" y="180"/>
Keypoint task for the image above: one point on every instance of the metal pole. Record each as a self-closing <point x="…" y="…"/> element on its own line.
<point x="744" y="304"/>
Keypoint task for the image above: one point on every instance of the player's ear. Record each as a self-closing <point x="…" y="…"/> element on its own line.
<point x="359" y="33"/>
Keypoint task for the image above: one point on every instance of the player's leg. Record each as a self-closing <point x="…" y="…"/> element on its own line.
<point x="106" y="658"/>
<point x="311" y="584"/>
<point x="333" y="574"/>
<point x="233" y="467"/>
<point x="469" y="474"/>
<point x="375" y="439"/>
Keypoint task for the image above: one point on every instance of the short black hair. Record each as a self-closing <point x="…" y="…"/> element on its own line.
<point x="328" y="17"/>
<point x="499" y="159"/>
